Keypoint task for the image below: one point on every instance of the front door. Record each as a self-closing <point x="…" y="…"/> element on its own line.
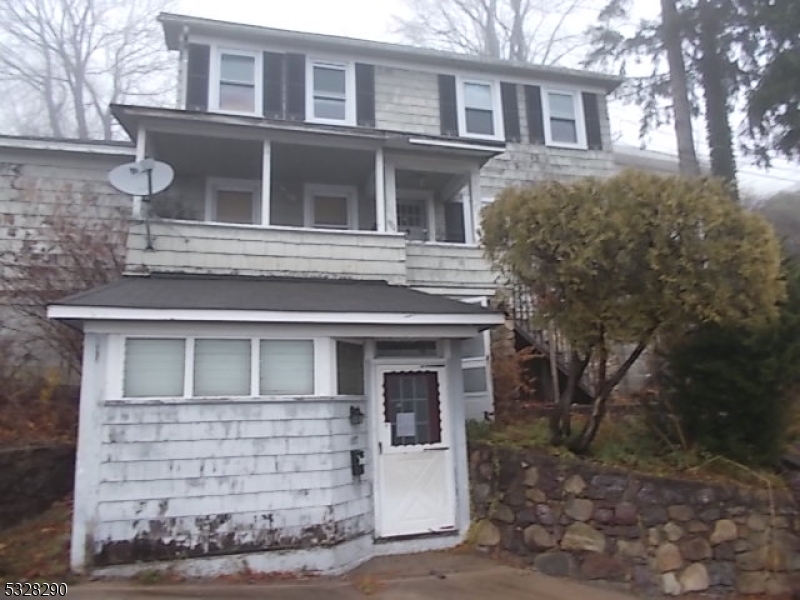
<point x="416" y="479"/>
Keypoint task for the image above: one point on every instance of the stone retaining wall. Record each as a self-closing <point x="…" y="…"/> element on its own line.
<point x="570" y="518"/>
<point x="32" y="478"/>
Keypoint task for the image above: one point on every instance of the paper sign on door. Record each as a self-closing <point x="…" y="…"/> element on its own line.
<point x="405" y="424"/>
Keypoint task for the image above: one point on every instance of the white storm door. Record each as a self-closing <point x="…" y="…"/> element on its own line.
<point x="416" y="479"/>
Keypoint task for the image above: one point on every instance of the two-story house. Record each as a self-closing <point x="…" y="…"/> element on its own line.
<point x="281" y="379"/>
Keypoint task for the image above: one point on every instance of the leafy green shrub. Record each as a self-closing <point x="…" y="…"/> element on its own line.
<point x="730" y="387"/>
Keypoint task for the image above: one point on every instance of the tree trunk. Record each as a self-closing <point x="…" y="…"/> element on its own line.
<point x="687" y="157"/>
<point x="560" y="425"/>
<point x="714" y="70"/>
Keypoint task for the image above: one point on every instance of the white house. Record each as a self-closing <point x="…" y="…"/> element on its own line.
<point x="281" y="379"/>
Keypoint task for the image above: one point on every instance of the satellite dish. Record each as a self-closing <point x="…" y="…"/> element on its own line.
<point x="142" y="178"/>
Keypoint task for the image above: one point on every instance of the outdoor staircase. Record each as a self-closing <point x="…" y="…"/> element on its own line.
<point x="549" y="343"/>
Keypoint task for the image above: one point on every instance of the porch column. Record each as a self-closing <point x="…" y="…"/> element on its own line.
<point x="391" y="197"/>
<point x="266" y="182"/>
<point x="472" y="201"/>
<point x="380" y="190"/>
<point x="141" y="154"/>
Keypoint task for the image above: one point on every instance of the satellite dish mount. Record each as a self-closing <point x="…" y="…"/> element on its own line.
<point x="143" y="179"/>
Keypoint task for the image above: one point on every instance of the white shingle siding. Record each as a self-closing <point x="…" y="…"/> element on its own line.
<point x="227" y="474"/>
<point x="406" y="100"/>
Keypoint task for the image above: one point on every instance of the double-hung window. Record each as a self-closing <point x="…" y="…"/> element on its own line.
<point x="563" y="119"/>
<point x="479" y="109"/>
<point x="331" y="92"/>
<point x="238" y="81"/>
<point x="330" y="206"/>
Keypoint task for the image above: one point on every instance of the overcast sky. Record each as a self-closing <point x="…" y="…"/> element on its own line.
<point x="373" y="19"/>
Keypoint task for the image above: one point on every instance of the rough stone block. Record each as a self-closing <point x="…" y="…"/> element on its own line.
<point x="696" y="548"/>
<point x="673" y="531"/>
<point x="694" y="578"/>
<point x="579" y="509"/>
<point x="756" y="522"/>
<point x="721" y="573"/>
<point x="724" y="531"/>
<point x="630" y="549"/>
<point x="751" y="582"/>
<point x="653" y="515"/>
<point x="556" y="564"/>
<point x="681" y="512"/>
<point x="670" y="585"/>
<point x="668" y="558"/>
<point x="602" y="566"/>
<point x="538" y="538"/>
<point x="580" y="536"/>
<point x="487" y="534"/>
<point x="626" y="513"/>
<point x="502" y="513"/>
<point x="535" y="495"/>
<point x="531" y="476"/>
<point x="574" y="485"/>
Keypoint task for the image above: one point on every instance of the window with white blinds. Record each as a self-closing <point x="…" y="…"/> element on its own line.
<point x="286" y="367"/>
<point x="217" y="367"/>
<point x="153" y="367"/>
<point x="222" y="367"/>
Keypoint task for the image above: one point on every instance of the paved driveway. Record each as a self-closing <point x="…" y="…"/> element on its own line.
<point x="437" y="576"/>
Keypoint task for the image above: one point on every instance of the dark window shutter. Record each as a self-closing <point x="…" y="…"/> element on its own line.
<point x="365" y="95"/>
<point x="508" y="94"/>
<point x="273" y="85"/>
<point x="591" y="115"/>
<point x="454" y="222"/>
<point x="199" y="59"/>
<point x="448" y="108"/>
<point x="296" y="87"/>
<point x="533" y="108"/>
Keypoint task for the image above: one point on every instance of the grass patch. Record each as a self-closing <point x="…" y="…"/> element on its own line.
<point x="628" y="444"/>
<point x="38" y="549"/>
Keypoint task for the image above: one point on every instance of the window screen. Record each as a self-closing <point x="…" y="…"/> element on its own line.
<point x="563" y="121"/>
<point x="330" y="212"/>
<point x="153" y="368"/>
<point x="478" y="110"/>
<point x="287" y="367"/>
<point x="237" y="82"/>
<point x="222" y="368"/>
<point x="329" y="92"/>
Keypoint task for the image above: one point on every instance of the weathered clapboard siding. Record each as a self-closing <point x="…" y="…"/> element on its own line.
<point x="443" y="267"/>
<point x="522" y="164"/>
<point x="220" y="476"/>
<point x="406" y="100"/>
<point x="200" y="247"/>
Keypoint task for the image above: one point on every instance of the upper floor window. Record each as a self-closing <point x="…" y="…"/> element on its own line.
<point x="331" y="92"/>
<point x="564" y="119"/>
<point x="479" y="113"/>
<point x="237" y="87"/>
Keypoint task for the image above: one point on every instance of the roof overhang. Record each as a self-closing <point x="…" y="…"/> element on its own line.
<point x="176" y="26"/>
<point x="96" y="313"/>
<point x="43" y="144"/>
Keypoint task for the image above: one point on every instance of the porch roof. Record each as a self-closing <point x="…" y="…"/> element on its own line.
<point x="268" y="299"/>
<point x="194" y="123"/>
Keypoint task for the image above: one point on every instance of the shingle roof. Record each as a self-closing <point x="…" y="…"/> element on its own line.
<point x="166" y="291"/>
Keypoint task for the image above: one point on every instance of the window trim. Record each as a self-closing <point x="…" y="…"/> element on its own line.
<point x="318" y="352"/>
<point x="215" y="74"/>
<point x="349" y="69"/>
<point x="227" y="184"/>
<point x="580" y="120"/>
<point x="497" y="108"/>
<point x="311" y="190"/>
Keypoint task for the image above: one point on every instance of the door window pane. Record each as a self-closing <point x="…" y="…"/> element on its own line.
<point x="400" y="348"/>
<point x="234" y="206"/>
<point x="330" y="212"/>
<point x="153" y="368"/>
<point x="412" y="218"/>
<point x="349" y="369"/>
<point x="222" y="368"/>
<point x="287" y="367"/>
<point x="412" y="407"/>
